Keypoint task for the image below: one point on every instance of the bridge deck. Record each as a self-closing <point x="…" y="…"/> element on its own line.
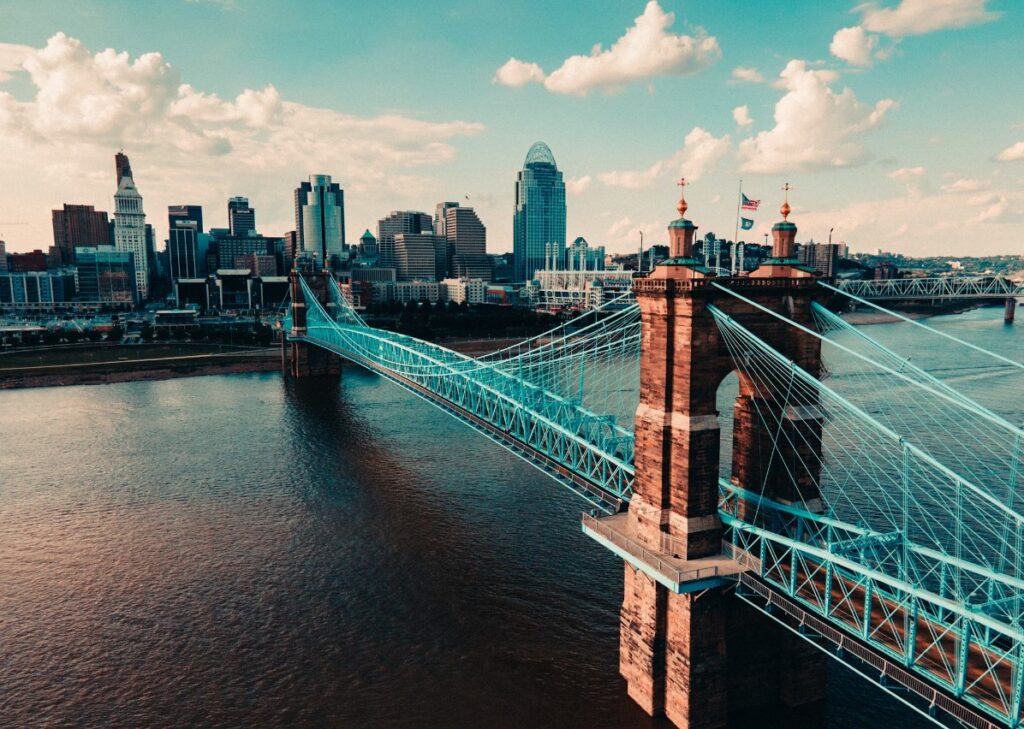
<point x="679" y="575"/>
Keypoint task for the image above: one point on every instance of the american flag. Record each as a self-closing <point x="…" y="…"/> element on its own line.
<point x="749" y="204"/>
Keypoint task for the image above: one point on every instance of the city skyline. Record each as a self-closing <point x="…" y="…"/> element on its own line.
<point x="855" y="106"/>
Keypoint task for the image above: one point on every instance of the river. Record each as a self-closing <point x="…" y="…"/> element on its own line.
<point x="245" y="550"/>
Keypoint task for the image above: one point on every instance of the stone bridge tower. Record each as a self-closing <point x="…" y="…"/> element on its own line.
<point x="698" y="655"/>
<point x="298" y="358"/>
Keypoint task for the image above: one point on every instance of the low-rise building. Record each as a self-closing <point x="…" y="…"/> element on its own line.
<point x="406" y="291"/>
<point x="36" y="289"/>
<point x="464" y="290"/>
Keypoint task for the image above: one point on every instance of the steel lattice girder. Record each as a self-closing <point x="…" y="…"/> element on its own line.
<point x="527" y="422"/>
<point x="956" y="646"/>
<point x="950" y="287"/>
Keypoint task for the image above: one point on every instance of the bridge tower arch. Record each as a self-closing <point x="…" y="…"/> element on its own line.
<point x="697" y="655"/>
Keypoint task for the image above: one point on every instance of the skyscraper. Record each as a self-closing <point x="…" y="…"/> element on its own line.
<point x="399" y="221"/>
<point x="130" y="233"/>
<point x="540" y="211"/>
<point x="185" y="252"/>
<point x="419" y="256"/>
<point x="320" y="218"/>
<point x="466" y="237"/>
<point x="241" y="217"/>
<point x="441" y="216"/>
<point x="79" y="225"/>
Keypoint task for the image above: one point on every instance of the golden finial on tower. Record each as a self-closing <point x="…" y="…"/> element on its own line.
<point x="682" y="206"/>
<point x="785" y="203"/>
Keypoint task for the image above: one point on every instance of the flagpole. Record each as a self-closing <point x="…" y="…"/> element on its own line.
<point x="736" y="233"/>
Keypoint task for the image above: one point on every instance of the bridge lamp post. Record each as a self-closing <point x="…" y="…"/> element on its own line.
<point x="830" y="235"/>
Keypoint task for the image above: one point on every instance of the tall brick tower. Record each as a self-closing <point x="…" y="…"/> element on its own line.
<point x="300" y="359"/>
<point x="695" y="653"/>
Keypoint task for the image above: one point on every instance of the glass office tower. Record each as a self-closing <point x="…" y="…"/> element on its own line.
<point x="540" y="212"/>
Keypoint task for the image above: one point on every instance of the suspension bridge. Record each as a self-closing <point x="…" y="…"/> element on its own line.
<point x="864" y="509"/>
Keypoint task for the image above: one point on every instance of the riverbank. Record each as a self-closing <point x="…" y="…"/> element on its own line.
<point x="865" y="316"/>
<point x="98" y="364"/>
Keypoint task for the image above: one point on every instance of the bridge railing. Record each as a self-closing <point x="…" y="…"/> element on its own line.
<point x="654" y="558"/>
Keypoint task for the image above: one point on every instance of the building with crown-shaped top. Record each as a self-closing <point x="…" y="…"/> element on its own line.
<point x="130" y="223"/>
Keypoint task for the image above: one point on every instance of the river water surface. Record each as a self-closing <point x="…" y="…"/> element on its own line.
<point x="248" y="551"/>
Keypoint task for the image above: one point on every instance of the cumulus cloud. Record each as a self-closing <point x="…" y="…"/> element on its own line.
<point x="746" y="74"/>
<point x="627" y="231"/>
<point x="906" y="174"/>
<point x="912" y="177"/>
<point x="577" y="185"/>
<point x="853" y="45"/>
<point x="1012" y="153"/>
<point x="921" y="224"/>
<point x="183" y="141"/>
<point x="966" y="185"/>
<point x="994" y="208"/>
<point x="646" y="50"/>
<point x="12" y="55"/>
<point x="916" y="17"/>
<point x="518" y="73"/>
<point x="815" y="127"/>
<point x="700" y="152"/>
<point x="741" y="114"/>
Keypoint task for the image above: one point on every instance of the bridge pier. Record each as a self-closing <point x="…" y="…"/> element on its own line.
<point x="1008" y="312"/>
<point x="300" y="359"/>
<point x="696" y="654"/>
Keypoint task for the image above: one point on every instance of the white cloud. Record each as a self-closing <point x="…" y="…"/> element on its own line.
<point x="916" y="17"/>
<point x="742" y="116"/>
<point x="626" y="231"/>
<point x="518" y="73"/>
<point x="906" y="174"/>
<point x="912" y="177"/>
<point x="12" y="55"/>
<point x="923" y="224"/>
<point x="853" y="45"/>
<point x="747" y="74"/>
<point x="815" y="127"/>
<point x="1012" y="153"/>
<point x="644" y="51"/>
<point x="187" y="143"/>
<point x="966" y="185"/>
<point x="995" y="208"/>
<point x="578" y="185"/>
<point x="700" y="152"/>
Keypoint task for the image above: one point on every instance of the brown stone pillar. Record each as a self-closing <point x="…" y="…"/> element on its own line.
<point x="677" y="432"/>
<point x="642" y="640"/>
<point x="300" y="359"/>
<point x="695" y="657"/>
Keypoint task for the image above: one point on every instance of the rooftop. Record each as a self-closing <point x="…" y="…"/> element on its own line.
<point x="539" y="153"/>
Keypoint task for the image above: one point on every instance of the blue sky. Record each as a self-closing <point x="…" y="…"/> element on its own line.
<point x="898" y="123"/>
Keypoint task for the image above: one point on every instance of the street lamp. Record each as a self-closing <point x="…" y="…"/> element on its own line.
<point x="830" y="235"/>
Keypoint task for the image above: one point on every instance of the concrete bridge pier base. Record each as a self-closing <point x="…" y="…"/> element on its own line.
<point x="1008" y="312"/>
